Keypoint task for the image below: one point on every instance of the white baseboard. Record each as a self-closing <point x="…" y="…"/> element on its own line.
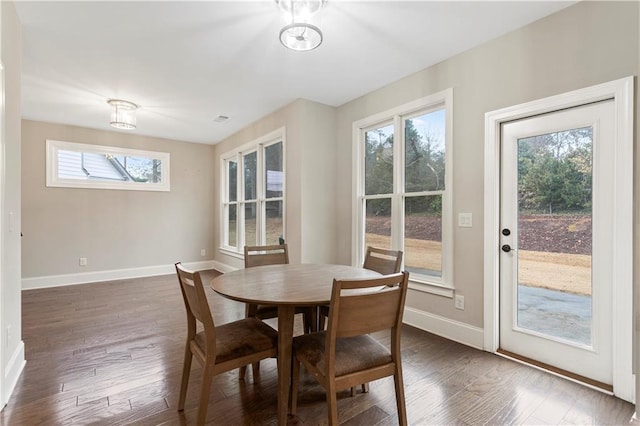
<point x="116" y="274"/>
<point x="445" y="327"/>
<point x="223" y="267"/>
<point x="12" y="372"/>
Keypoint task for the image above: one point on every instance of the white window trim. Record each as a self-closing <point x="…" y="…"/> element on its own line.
<point x="444" y="285"/>
<point x="52" y="179"/>
<point x="237" y="154"/>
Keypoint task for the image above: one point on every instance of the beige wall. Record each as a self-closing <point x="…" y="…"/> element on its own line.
<point x="583" y="45"/>
<point x="310" y="150"/>
<point x="114" y="229"/>
<point x="12" y="355"/>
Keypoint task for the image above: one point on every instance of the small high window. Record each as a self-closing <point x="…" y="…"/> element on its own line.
<point x="76" y="165"/>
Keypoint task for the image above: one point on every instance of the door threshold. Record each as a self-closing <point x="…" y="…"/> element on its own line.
<point x="576" y="378"/>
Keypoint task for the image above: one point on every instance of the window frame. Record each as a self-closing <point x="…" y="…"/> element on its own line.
<point x="238" y="154"/>
<point x="52" y="167"/>
<point x="443" y="285"/>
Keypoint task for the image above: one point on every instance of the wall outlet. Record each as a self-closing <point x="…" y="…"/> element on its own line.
<point x="203" y="252"/>
<point x="83" y="261"/>
<point x="459" y="301"/>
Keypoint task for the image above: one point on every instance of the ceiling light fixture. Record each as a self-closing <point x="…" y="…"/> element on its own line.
<point x="123" y="114"/>
<point x="300" y="34"/>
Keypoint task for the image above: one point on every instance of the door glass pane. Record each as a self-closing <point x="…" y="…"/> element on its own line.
<point x="424" y="152"/>
<point x="378" y="223"/>
<point x="274" y="175"/>
<point x="250" y="216"/>
<point x="555" y="234"/>
<point x="250" y="176"/>
<point x="423" y="235"/>
<point x="274" y="222"/>
<point x="378" y="164"/>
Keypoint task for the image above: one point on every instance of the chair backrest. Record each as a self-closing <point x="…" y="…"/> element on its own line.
<point x="265" y="255"/>
<point x="366" y="306"/>
<point x="383" y="261"/>
<point x="195" y="302"/>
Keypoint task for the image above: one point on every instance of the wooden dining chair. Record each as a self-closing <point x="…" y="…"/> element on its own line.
<point x="272" y="255"/>
<point x="383" y="261"/>
<point x="346" y="355"/>
<point x="217" y="348"/>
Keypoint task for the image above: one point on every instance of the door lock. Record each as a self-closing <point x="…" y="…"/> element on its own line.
<point x="506" y="232"/>
<point x="506" y="248"/>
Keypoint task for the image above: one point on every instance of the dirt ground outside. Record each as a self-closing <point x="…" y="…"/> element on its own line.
<point x="554" y="251"/>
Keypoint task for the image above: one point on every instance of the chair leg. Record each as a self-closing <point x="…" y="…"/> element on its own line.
<point x="255" y="369"/>
<point x="242" y="372"/>
<point x="186" y="370"/>
<point x="207" y="377"/>
<point x="295" y="377"/>
<point x="321" y="321"/>
<point x="332" y="403"/>
<point x="314" y="319"/>
<point x="364" y="386"/>
<point x="402" y="409"/>
<point x="310" y="320"/>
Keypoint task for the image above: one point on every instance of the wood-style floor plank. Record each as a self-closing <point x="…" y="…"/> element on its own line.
<point x="111" y="354"/>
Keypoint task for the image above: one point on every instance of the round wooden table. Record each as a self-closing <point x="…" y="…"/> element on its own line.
<point x="285" y="286"/>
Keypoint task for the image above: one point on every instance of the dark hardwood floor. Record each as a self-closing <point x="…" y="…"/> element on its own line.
<point x="111" y="353"/>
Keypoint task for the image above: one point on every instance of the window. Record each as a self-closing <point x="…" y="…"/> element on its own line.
<point x="76" y="165"/>
<point x="403" y="187"/>
<point x="253" y="194"/>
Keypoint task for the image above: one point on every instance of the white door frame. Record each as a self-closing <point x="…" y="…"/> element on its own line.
<point x="621" y="91"/>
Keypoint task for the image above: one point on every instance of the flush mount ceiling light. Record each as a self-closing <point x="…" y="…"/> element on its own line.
<point x="300" y="34"/>
<point x="123" y="114"/>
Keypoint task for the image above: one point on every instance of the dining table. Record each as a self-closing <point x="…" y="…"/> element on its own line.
<point x="287" y="287"/>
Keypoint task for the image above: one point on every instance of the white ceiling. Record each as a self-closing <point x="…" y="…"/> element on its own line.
<point x="186" y="63"/>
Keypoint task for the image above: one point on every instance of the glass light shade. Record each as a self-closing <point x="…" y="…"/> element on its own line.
<point x="123" y="114"/>
<point x="301" y="36"/>
<point x="300" y="10"/>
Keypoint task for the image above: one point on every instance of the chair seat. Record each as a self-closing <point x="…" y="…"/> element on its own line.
<point x="352" y="353"/>
<point x="240" y="338"/>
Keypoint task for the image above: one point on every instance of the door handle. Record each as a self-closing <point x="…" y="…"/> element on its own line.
<point x="507" y="248"/>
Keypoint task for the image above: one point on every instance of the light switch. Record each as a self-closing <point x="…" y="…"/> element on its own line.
<point x="465" y="220"/>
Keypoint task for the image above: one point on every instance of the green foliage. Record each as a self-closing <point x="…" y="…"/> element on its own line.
<point x="378" y="163"/>
<point x="424" y="161"/>
<point x="424" y="168"/>
<point x="554" y="172"/>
